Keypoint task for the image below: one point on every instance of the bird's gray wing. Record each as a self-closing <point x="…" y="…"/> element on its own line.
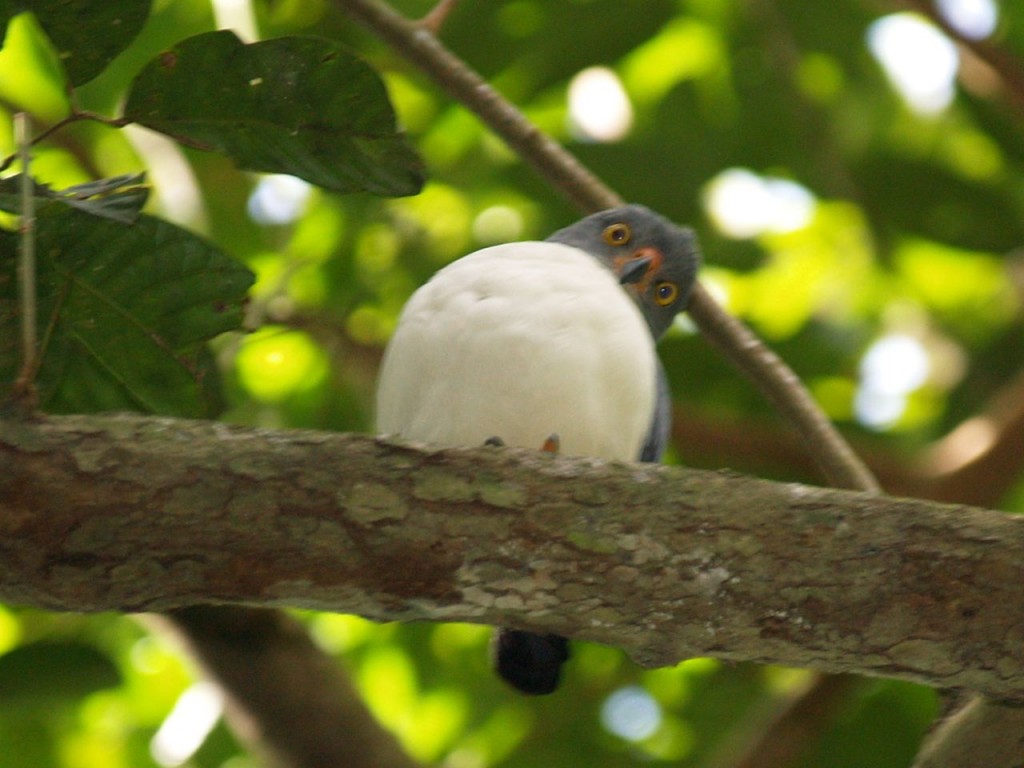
<point x="661" y="423"/>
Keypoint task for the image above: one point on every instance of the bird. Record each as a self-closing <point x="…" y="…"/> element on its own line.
<point x="544" y="344"/>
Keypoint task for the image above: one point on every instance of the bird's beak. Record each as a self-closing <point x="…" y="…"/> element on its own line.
<point x="635" y="269"/>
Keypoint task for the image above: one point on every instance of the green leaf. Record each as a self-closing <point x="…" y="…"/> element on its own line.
<point x="119" y="198"/>
<point x="297" y="105"/>
<point x="47" y="673"/>
<point x="124" y="314"/>
<point x="87" y="35"/>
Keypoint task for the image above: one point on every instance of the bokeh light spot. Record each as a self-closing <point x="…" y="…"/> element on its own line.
<point x="278" y="199"/>
<point x="631" y="713"/>
<point x="274" y="364"/>
<point x="974" y="19"/>
<point x="187" y="726"/>
<point x="743" y="204"/>
<point x="599" y="108"/>
<point x="892" y="368"/>
<point x="919" y="60"/>
<point x="498" y="224"/>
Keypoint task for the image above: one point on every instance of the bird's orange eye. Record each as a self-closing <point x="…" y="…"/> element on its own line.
<point x="665" y="293"/>
<point x="617" y="234"/>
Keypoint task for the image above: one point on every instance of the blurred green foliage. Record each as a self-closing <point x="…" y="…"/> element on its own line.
<point x="860" y="220"/>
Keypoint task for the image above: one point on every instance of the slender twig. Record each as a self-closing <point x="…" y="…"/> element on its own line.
<point x="836" y="459"/>
<point x="26" y="262"/>
<point x="438" y="15"/>
<point x="75" y="117"/>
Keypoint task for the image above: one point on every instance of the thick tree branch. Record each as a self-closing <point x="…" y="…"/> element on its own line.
<point x="134" y="514"/>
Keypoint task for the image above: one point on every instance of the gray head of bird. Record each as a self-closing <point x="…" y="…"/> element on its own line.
<point x="655" y="260"/>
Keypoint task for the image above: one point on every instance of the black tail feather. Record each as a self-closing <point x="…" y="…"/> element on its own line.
<point x="530" y="663"/>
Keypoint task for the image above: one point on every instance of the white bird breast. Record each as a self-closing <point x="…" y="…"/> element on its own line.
<point x="520" y="341"/>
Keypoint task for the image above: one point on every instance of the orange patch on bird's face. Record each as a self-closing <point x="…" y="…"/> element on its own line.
<point x="655" y="257"/>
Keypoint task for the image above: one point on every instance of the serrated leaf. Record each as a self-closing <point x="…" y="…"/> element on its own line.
<point x="124" y="314"/>
<point x="87" y="35"/>
<point x="43" y="674"/>
<point x="297" y="105"/>
<point x="119" y="198"/>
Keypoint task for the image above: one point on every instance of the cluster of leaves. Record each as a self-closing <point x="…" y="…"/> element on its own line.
<point x="126" y="301"/>
<point x="914" y="224"/>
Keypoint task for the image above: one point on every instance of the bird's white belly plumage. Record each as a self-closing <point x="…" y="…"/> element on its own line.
<point x="521" y="341"/>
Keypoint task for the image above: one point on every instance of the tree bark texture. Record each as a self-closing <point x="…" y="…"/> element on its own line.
<point x="135" y="513"/>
